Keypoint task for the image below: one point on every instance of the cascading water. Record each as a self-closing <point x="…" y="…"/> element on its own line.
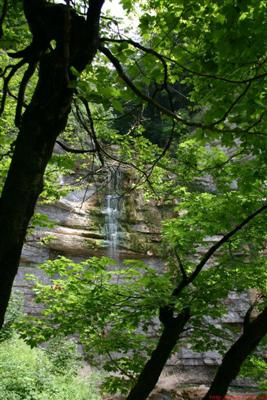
<point x="112" y="211"/>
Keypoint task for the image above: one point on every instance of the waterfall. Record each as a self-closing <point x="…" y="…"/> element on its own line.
<point x="112" y="211"/>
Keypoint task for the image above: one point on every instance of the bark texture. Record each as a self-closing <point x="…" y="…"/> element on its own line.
<point x="45" y="117"/>
<point x="236" y="355"/>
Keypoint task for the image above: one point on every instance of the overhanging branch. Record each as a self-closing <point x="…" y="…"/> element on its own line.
<point x="114" y="60"/>
<point x="211" y="127"/>
<point x="214" y="248"/>
<point x="164" y="58"/>
<point x="75" y="151"/>
<point x="92" y="130"/>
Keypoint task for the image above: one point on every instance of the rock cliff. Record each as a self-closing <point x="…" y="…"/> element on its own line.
<point x="110" y="221"/>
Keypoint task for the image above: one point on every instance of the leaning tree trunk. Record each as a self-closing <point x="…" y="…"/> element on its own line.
<point x="236" y="355"/>
<point x="172" y="329"/>
<point x="43" y="120"/>
<point x="45" y="117"/>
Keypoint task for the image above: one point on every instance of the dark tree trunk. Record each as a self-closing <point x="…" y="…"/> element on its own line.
<point x="236" y="355"/>
<point x="43" y="120"/>
<point x="173" y="327"/>
<point x="45" y="117"/>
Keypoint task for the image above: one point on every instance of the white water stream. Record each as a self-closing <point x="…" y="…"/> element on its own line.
<point x="112" y="212"/>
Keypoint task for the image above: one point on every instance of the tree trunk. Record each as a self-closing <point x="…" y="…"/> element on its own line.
<point x="236" y="355"/>
<point x="43" y="120"/>
<point x="150" y="374"/>
<point x="45" y="117"/>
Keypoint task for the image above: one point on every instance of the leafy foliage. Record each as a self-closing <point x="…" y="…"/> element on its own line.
<point x="119" y="307"/>
<point x="213" y="176"/>
<point x="256" y="367"/>
<point x="29" y="374"/>
<point x="13" y="314"/>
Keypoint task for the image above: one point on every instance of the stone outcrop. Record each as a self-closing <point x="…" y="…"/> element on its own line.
<point x="80" y="231"/>
<point x="79" y="228"/>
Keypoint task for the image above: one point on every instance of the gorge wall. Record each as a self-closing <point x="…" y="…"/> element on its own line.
<point x="106" y="220"/>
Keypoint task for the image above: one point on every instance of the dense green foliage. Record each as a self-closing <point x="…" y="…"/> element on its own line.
<point x="200" y="95"/>
<point x="256" y="368"/>
<point x="51" y="372"/>
<point x="119" y="307"/>
<point x="34" y="374"/>
<point x="13" y="314"/>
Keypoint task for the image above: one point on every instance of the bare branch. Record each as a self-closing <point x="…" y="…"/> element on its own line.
<point x="170" y="139"/>
<point x="218" y="78"/>
<point x="258" y="121"/>
<point x="118" y="117"/>
<point x="89" y="129"/>
<point x="92" y="129"/>
<point x="14" y="69"/>
<point x="75" y="151"/>
<point x="181" y="266"/>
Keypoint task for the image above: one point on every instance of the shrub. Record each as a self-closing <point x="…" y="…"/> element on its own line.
<point x="63" y="354"/>
<point x="13" y="313"/>
<point x="29" y="374"/>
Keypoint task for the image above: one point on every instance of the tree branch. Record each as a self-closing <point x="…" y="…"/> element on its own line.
<point x="13" y="70"/>
<point x="181" y="266"/>
<point x="147" y="50"/>
<point x="8" y="153"/>
<point x="75" y="151"/>
<point x="234" y="103"/>
<point x="236" y="355"/>
<point x="22" y="87"/>
<point x="116" y="63"/>
<point x="93" y="16"/>
<point x="92" y="129"/>
<point x="186" y="69"/>
<point x="214" y="248"/>
<point x="138" y="92"/>
<point x="102" y="151"/>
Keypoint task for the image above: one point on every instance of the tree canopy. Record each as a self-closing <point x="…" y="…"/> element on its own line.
<point x="183" y="96"/>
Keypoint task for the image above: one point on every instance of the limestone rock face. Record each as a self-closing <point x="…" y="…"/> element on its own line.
<point x="34" y="254"/>
<point x="80" y="227"/>
<point x="92" y="222"/>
